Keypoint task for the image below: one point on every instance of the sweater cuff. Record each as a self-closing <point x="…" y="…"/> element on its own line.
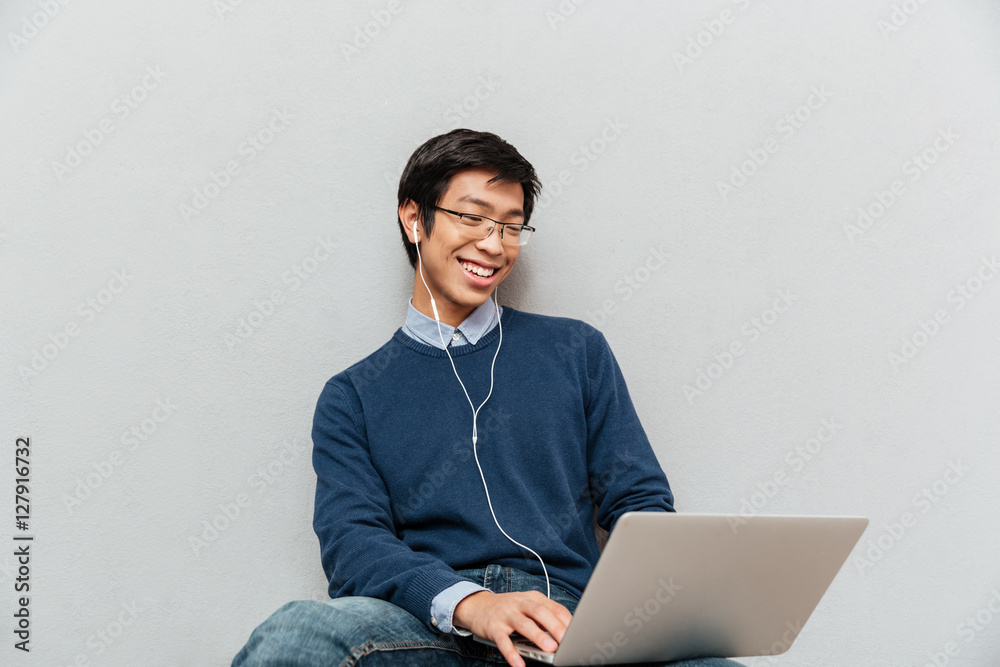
<point x="423" y="588"/>
<point x="444" y="603"/>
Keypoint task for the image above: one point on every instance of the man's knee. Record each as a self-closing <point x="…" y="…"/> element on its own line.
<point x="300" y="631"/>
<point x="360" y="620"/>
<point x="347" y="621"/>
<point x="308" y="632"/>
<point x="352" y="620"/>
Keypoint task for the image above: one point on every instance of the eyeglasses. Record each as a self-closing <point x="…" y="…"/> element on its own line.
<point x="480" y="227"/>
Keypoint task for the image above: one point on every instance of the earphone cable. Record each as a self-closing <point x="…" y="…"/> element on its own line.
<point x="475" y="410"/>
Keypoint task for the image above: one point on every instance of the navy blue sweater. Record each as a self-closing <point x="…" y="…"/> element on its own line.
<point x="400" y="504"/>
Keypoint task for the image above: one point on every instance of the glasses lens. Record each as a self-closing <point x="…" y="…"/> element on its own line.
<point x="474" y="226"/>
<point x="478" y="227"/>
<point x="515" y="234"/>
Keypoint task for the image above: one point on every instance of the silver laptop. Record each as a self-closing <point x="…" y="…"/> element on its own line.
<point x="672" y="586"/>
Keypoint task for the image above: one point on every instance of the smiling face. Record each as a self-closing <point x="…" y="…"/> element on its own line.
<point x="458" y="291"/>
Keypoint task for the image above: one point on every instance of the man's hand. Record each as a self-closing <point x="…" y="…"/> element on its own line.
<point x="495" y="616"/>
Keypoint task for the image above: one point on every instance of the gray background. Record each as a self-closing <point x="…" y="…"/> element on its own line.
<point x="211" y="318"/>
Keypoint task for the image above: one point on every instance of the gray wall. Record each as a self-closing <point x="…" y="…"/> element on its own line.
<point x="812" y="183"/>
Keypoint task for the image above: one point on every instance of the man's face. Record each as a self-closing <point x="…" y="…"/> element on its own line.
<point x="458" y="291"/>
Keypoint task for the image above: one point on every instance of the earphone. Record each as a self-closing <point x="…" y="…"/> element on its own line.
<point x="475" y="410"/>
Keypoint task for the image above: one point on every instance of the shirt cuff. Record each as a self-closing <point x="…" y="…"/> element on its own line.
<point x="444" y="603"/>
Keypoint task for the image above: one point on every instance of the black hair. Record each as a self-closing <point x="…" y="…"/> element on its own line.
<point x="430" y="169"/>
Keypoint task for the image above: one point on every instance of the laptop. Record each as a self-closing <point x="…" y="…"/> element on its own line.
<point x="672" y="586"/>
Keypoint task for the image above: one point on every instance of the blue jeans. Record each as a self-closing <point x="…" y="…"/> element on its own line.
<point x="352" y="631"/>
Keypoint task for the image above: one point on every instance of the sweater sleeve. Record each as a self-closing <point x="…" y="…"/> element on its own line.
<point x="625" y="475"/>
<point x="359" y="548"/>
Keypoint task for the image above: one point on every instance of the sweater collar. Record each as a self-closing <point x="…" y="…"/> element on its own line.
<point x="482" y="342"/>
<point x="425" y="329"/>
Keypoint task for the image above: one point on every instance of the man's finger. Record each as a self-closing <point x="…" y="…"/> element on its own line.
<point x="530" y="630"/>
<point x="553" y="617"/>
<point x="506" y="647"/>
<point x="545" y="624"/>
<point x="558" y="609"/>
<point x="563" y="614"/>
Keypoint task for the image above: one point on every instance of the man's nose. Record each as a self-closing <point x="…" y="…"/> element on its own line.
<point x="492" y="243"/>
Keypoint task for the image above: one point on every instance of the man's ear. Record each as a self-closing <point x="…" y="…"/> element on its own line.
<point x="409" y="212"/>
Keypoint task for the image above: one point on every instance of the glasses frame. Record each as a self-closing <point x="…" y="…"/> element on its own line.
<point x="530" y="229"/>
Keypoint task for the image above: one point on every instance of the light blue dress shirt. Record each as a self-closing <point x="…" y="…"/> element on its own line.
<point x="425" y="329"/>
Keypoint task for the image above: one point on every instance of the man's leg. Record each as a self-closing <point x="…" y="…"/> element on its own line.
<point x="351" y="631"/>
<point x="354" y="631"/>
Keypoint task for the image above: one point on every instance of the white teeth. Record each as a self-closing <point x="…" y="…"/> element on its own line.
<point x="478" y="270"/>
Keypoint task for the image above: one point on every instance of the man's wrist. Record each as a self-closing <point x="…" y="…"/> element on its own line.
<point x="462" y="615"/>
<point x="444" y="603"/>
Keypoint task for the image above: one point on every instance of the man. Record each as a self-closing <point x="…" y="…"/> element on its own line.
<point x="446" y="504"/>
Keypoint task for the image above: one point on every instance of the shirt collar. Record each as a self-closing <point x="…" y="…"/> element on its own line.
<point x="425" y="329"/>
